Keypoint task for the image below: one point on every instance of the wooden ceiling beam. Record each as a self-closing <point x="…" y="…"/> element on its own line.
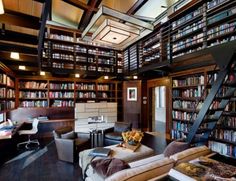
<point x="88" y="14"/>
<point x="27" y="68"/>
<point x="81" y="5"/>
<point x="8" y="35"/>
<point x="20" y="19"/>
<point x="23" y="58"/>
<point x="10" y="62"/>
<point x="41" y="1"/>
<point x="17" y="48"/>
<point x="136" y="7"/>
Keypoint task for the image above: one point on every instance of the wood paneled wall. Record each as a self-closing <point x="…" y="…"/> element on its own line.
<point x="132" y="109"/>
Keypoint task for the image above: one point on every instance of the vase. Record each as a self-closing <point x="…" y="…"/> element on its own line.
<point x="132" y="142"/>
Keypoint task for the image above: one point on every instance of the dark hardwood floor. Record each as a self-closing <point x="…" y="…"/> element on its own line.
<point x="42" y="164"/>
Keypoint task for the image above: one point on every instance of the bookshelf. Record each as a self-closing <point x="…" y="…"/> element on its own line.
<point x="33" y="93"/>
<point x="61" y="94"/>
<point x="65" y="51"/>
<point x="187" y="93"/>
<point x="7" y="90"/>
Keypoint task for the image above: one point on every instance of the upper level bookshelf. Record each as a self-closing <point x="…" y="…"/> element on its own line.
<point x="64" y="50"/>
<point x="7" y="89"/>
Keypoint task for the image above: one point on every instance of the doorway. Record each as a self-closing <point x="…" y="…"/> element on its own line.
<point x="159" y="109"/>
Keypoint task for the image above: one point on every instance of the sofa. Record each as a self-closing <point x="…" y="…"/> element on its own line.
<point x="151" y="168"/>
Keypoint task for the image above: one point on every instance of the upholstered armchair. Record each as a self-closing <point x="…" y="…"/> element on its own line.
<point x="68" y="143"/>
<point x="113" y="135"/>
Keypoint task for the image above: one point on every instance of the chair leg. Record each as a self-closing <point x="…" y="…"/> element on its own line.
<point x="28" y="142"/>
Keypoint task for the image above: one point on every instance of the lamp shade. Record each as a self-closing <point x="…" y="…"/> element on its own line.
<point x="1" y="7"/>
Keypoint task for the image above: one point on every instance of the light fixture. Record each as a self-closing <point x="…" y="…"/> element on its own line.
<point x="116" y="29"/>
<point x="15" y="55"/>
<point x="135" y="77"/>
<point x="106" y="77"/>
<point x="21" y="67"/>
<point x="77" y="75"/>
<point x="1" y="7"/>
<point x="114" y="32"/>
<point x="42" y="73"/>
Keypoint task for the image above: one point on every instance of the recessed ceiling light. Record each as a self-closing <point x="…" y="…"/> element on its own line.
<point x="1" y="7"/>
<point x="21" y="67"/>
<point x="15" y="55"/>
<point x="135" y="77"/>
<point x="77" y="75"/>
<point x="42" y="73"/>
<point x="106" y="77"/>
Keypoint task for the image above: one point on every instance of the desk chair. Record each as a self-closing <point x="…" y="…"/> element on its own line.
<point x="30" y="132"/>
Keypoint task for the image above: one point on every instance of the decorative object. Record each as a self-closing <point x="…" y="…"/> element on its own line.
<point x="132" y="137"/>
<point x="132" y="93"/>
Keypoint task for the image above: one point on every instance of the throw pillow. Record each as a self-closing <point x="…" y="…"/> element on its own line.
<point x="69" y="135"/>
<point x="107" y="167"/>
<point x="175" y="147"/>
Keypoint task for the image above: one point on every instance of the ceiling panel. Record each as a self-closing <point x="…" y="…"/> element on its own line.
<point x="66" y="14"/>
<point x="29" y="7"/>
<point x="120" y="5"/>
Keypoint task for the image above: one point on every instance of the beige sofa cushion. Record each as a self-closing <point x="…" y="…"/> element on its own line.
<point x="144" y="172"/>
<point x="146" y="160"/>
<point x="190" y="154"/>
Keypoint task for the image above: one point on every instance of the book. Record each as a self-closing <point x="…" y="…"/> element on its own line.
<point x="100" y="151"/>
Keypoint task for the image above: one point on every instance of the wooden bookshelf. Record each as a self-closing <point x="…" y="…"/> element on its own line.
<point x="64" y="51"/>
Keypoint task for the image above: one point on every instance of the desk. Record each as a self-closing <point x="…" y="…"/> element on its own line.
<point x="12" y="131"/>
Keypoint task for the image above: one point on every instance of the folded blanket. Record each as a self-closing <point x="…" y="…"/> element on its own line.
<point x="106" y="167"/>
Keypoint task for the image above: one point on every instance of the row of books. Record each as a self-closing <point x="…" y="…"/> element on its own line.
<point x="63" y="47"/>
<point x="5" y="105"/>
<point x="35" y="94"/>
<point x="85" y="86"/>
<point x="184" y="104"/>
<point x="61" y="94"/>
<point x="86" y="95"/>
<point x="2" y="92"/>
<point x="188" y="29"/>
<point x="80" y="49"/>
<point x="92" y="68"/>
<point x="229" y="121"/>
<point x="63" y="65"/>
<point x="189" y="81"/>
<point x="60" y="37"/>
<point x="222" y="148"/>
<point x="197" y="92"/>
<point x="63" y="56"/>
<point x="101" y="52"/>
<point x="229" y="135"/>
<point x="183" y="115"/>
<point x="80" y="59"/>
<point x="153" y="56"/>
<point x="221" y="30"/>
<point x="175" y="134"/>
<point x="153" y="48"/>
<point x="106" y="61"/>
<point x="189" y="50"/>
<point x="81" y="67"/>
<point x="34" y="104"/>
<point x="33" y="85"/>
<point x="105" y="69"/>
<point x="61" y="86"/>
<point x="103" y="87"/>
<point x="103" y="95"/>
<point x="60" y="103"/>
<point x="4" y="79"/>
<point x="225" y="40"/>
<point x="180" y="126"/>
<point x="187" y="42"/>
<point x="187" y="17"/>
<point x="10" y="93"/>
<point x="214" y="3"/>
<point x="151" y="40"/>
